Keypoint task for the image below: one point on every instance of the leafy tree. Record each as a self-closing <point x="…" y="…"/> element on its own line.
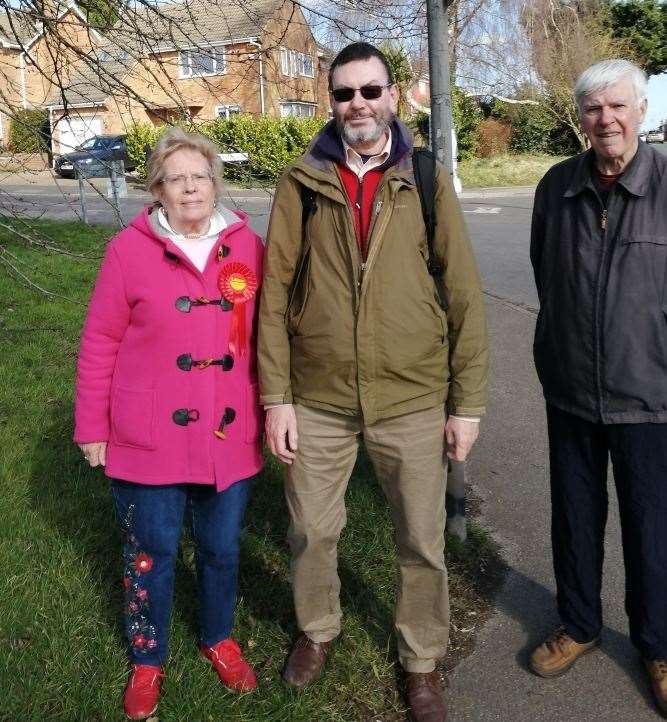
<point x="643" y="24"/>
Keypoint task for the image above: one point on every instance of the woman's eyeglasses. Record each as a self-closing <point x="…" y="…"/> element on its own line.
<point x="180" y="179"/>
<point x="368" y="92"/>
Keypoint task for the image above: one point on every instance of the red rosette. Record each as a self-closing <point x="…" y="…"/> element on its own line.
<point x="237" y="284"/>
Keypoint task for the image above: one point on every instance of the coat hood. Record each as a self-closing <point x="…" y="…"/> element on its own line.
<point x="328" y="145"/>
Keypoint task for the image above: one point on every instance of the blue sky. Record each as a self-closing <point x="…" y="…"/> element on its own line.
<point x="657" y="102"/>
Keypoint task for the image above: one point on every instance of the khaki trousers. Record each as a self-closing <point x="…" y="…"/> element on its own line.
<point x="407" y="453"/>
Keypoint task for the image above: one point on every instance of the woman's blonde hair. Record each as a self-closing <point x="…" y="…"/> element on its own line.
<point x="176" y="139"/>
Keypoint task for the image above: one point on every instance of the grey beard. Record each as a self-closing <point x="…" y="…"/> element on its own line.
<point x="355" y="137"/>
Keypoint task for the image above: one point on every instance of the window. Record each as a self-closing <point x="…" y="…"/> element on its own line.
<point x="104" y="56"/>
<point x="296" y="109"/>
<point x="307" y="68"/>
<point x="293" y="63"/>
<point x="226" y="111"/>
<point x="284" y="61"/>
<point x="195" y="63"/>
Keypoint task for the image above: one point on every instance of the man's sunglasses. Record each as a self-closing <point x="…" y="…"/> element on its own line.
<point x="368" y="92"/>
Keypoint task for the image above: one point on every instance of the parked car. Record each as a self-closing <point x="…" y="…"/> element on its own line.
<point x="93" y="155"/>
<point x="655" y="136"/>
<point x="642" y="136"/>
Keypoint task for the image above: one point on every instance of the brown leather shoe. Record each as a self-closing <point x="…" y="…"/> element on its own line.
<point x="425" y="697"/>
<point x="558" y="653"/>
<point x="305" y="662"/>
<point x="657" y="671"/>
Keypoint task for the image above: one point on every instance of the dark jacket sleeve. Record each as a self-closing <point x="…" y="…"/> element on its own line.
<point x="537" y="234"/>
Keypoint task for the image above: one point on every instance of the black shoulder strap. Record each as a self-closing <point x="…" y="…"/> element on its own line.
<point x="423" y="164"/>
<point x="307" y="204"/>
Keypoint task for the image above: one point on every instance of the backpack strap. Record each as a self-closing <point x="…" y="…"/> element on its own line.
<point x="423" y="164"/>
<point x="308" y="207"/>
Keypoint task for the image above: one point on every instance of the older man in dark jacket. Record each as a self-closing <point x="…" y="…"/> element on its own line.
<point x="599" y="253"/>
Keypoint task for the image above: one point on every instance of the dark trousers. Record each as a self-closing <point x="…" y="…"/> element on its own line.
<point x="579" y="452"/>
<point x="151" y="519"/>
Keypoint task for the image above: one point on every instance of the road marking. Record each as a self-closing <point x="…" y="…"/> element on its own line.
<point x="485" y="209"/>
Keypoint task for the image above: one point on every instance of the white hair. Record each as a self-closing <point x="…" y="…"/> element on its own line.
<point x="601" y="75"/>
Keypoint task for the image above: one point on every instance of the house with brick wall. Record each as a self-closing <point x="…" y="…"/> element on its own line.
<point x="198" y="60"/>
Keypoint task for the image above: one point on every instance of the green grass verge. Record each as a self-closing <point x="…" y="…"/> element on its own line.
<point x="61" y="647"/>
<point x="505" y="170"/>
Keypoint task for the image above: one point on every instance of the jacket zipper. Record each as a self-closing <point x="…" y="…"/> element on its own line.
<point x="373" y="248"/>
<point x="357" y="205"/>
<point x="598" y="321"/>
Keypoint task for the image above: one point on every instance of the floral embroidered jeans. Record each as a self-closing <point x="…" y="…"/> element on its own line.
<point x="151" y="520"/>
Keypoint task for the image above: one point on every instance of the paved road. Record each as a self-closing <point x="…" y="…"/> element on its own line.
<point x="510" y="473"/>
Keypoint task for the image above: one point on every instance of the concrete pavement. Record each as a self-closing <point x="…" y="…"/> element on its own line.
<point x="509" y="471"/>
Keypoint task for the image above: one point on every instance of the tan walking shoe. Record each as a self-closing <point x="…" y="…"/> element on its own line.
<point x="558" y="653"/>
<point x="657" y="671"/>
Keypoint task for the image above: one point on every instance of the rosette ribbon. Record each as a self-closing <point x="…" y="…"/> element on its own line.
<point x="237" y="284"/>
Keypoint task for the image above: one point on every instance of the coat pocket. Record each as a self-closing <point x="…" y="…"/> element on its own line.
<point x="644" y="256"/>
<point x="133" y="417"/>
<point x="254" y="414"/>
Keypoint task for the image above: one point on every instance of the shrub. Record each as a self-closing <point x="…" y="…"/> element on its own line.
<point x="141" y="137"/>
<point x="466" y="114"/>
<point x="270" y="143"/>
<point x="535" y="128"/>
<point x="493" y="138"/>
<point x="29" y="131"/>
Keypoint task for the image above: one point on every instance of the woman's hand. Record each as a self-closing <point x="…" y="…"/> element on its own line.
<point x="95" y="453"/>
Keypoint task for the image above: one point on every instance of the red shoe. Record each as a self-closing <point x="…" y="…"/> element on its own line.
<point x="142" y="692"/>
<point x="233" y="670"/>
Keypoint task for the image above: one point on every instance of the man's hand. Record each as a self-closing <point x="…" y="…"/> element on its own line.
<point x="281" y="432"/>
<point x="460" y="434"/>
<point x="95" y="453"/>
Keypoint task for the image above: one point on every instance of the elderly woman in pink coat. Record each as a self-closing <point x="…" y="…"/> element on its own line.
<point x="166" y="401"/>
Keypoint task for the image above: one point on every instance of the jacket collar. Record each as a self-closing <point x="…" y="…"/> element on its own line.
<point x="316" y="168"/>
<point x="635" y="179"/>
<point x="328" y="146"/>
<point x="147" y="223"/>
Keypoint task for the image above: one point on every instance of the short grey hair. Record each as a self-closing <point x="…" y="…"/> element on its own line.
<point x="176" y="139"/>
<point x="601" y="75"/>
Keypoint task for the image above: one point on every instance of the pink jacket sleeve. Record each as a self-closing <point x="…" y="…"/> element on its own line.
<point x="106" y="322"/>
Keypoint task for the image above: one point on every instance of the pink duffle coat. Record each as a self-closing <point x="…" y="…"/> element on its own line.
<point x="130" y="391"/>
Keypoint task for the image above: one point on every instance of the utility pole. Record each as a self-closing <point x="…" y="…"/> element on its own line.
<point x="441" y="98"/>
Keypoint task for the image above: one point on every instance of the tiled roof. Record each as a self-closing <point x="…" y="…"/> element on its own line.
<point x="92" y="79"/>
<point x="143" y="30"/>
<point x="16" y="27"/>
<point x="194" y="23"/>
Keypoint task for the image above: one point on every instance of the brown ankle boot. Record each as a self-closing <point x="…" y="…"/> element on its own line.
<point x="425" y="697"/>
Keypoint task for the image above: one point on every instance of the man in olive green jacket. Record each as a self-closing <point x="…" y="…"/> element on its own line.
<point x="355" y="340"/>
